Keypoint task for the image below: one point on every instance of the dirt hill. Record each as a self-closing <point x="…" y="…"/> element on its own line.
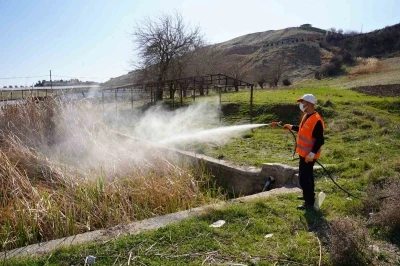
<point x="300" y="50"/>
<point x="297" y="46"/>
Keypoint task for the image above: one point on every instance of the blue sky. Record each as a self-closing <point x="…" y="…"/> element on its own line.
<point x="91" y="40"/>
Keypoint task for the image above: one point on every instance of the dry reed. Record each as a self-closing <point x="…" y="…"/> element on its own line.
<point x="63" y="172"/>
<point x="367" y="66"/>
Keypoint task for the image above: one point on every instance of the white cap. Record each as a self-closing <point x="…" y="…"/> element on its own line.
<point x="308" y="97"/>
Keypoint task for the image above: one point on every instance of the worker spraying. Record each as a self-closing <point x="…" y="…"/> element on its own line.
<point x="309" y="140"/>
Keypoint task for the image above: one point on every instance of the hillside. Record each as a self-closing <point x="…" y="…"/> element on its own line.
<point x="299" y="50"/>
<point x="298" y="46"/>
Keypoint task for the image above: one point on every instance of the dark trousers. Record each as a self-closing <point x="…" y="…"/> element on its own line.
<point x="306" y="179"/>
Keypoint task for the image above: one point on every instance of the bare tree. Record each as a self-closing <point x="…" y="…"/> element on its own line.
<point x="277" y="70"/>
<point x="206" y="60"/>
<point x="261" y="76"/>
<point x="236" y="67"/>
<point x="161" y="41"/>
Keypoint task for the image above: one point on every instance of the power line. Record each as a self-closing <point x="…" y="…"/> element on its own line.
<point x="24" y="77"/>
<point x="60" y="76"/>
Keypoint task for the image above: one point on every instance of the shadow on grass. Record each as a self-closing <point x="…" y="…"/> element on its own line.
<point x="318" y="225"/>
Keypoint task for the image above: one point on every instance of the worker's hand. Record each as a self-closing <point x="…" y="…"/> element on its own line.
<point x="287" y="126"/>
<point x="274" y="124"/>
<point x="310" y="157"/>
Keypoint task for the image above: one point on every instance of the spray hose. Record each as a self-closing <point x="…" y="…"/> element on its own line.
<point x="273" y="124"/>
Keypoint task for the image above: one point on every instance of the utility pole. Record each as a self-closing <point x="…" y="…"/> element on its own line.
<point x="51" y="84"/>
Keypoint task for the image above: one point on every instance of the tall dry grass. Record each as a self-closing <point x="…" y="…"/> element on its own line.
<point x="63" y="172"/>
<point x="367" y="66"/>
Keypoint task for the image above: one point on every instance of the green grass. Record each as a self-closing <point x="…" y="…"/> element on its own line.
<point x="240" y="240"/>
<point x="358" y="127"/>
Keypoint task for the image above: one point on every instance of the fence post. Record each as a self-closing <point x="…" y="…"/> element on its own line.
<point x="194" y="89"/>
<point x="132" y="97"/>
<point x="251" y="105"/>
<point x="102" y="98"/>
<point x="220" y="104"/>
<point x="173" y="96"/>
<point x="181" y="94"/>
<point x="151" y="95"/>
<point x="116" y="102"/>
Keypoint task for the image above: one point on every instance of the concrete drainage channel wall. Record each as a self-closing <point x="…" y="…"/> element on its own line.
<point x="238" y="181"/>
<point x="243" y="181"/>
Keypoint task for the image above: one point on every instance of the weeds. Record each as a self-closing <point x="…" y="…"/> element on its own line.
<point x="383" y="202"/>
<point x="63" y="172"/>
<point x="349" y="243"/>
<point x="367" y="66"/>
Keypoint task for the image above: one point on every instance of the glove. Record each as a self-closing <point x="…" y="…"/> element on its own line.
<point x="287" y="126"/>
<point x="274" y="124"/>
<point x="310" y="157"/>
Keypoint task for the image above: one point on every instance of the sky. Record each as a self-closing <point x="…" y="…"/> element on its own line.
<point x="92" y="39"/>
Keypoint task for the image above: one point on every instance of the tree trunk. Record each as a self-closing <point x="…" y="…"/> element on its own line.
<point x="201" y="89"/>
<point x="184" y="92"/>
<point x="159" y="93"/>
<point x="171" y="91"/>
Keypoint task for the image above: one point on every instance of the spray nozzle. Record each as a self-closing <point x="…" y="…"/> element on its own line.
<point x="274" y="124"/>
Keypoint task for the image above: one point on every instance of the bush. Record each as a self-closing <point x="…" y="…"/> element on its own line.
<point x="286" y="82"/>
<point x="318" y="74"/>
<point x="387" y="203"/>
<point x="347" y="58"/>
<point x="328" y="70"/>
<point x="349" y="243"/>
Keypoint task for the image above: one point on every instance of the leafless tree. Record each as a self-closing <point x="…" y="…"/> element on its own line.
<point x="261" y="76"/>
<point x="237" y="68"/>
<point x="277" y="70"/>
<point x="161" y="41"/>
<point x="208" y="59"/>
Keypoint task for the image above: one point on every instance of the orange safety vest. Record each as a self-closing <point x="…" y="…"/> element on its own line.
<point x="305" y="141"/>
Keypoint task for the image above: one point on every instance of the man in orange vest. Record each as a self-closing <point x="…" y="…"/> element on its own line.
<point x="310" y="138"/>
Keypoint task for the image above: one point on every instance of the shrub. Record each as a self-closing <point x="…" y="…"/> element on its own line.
<point x="318" y="74"/>
<point x="286" y="82"/>
<point x="328" y="70"/>
<point x="347" y="58"/>
<point x="349" y="243"/>
<point x="389" y="207"/>
<point x="334" y="66"/>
